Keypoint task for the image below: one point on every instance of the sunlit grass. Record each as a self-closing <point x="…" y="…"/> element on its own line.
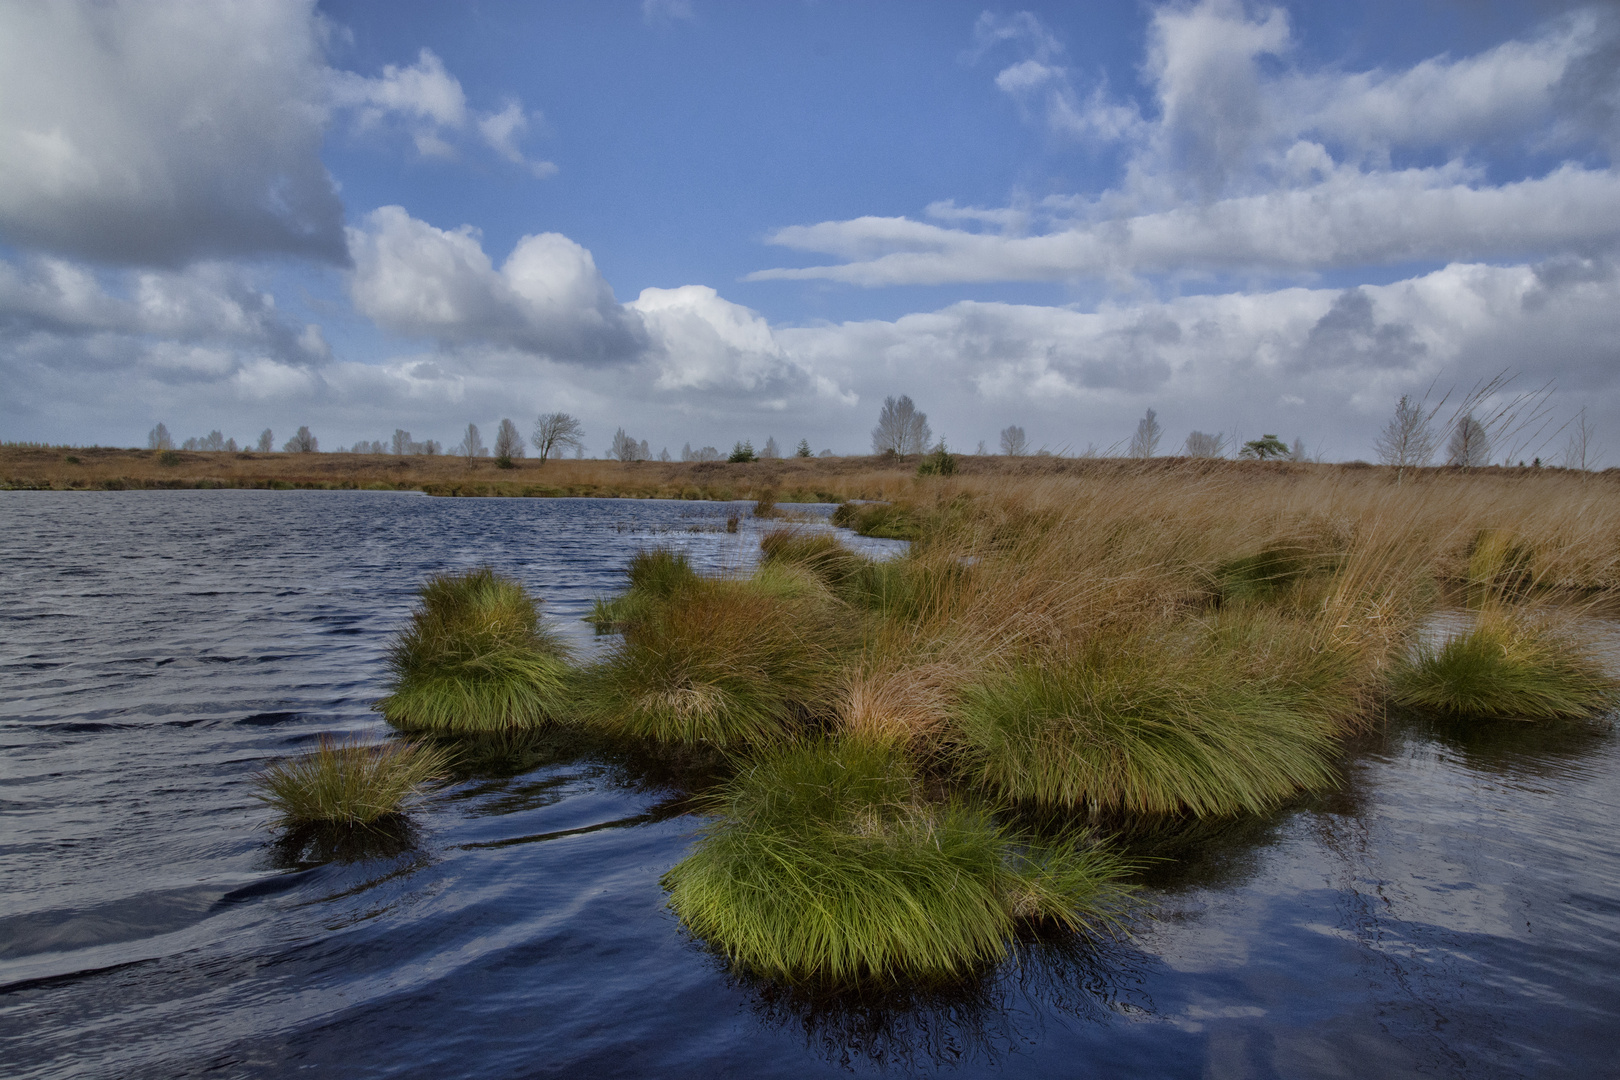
<point x="1509" y="666"/>
<point x="349" y="783"/>
<point x="824" y="864"/>
<point x="1150" y="724"/>
<point x="475" y="657"/>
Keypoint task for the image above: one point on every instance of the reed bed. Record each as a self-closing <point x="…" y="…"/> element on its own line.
<point x="349" y="783"/>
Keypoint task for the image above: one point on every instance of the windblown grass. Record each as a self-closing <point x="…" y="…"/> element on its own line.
<point x="1510" y="666"/>
<point x="349" y="783"/>
<point x="824" y="865"/>
<point x="655" y="574"/>
<point x="1148" y="725"/>
<point x="475" y="657"/>
<point x="725" y="663"/>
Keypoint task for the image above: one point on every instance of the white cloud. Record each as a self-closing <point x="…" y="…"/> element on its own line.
<point x="145" y="133"/>
<point x="503" y="130"/>
<point x="1252" y="166"/>
<point x="425" y="92"/>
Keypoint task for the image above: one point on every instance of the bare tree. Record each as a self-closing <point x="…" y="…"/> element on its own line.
<point x="663" y="455"/>
<point x="401" y="443"/>
<point x="508" y="443"/>
<point x="771" y="450"/>
<point x="303" y="442"/>
<point x="1578" y="450"/>
<point x="159" y="438"/>
<point x="267" y="441"/>
<point x="471" y="446"/>
<point x="1408" y="440"/>
<point x="901" y="429"/>
<point x="1201" y="444"/>
<point x="1470" y="444"/>
<point x="1146" y="440"/>
<point x="707" y="453"/>
<point x="556" y="430"/>
<point x="687" y="453"/>
<point x="625" y="448"/>
<point x="214" y="440"/>
<point x="1013" y="441"/>
<point x="1297" y="451"/>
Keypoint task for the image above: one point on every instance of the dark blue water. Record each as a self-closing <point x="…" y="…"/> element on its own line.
<point x="1453" y="910"/>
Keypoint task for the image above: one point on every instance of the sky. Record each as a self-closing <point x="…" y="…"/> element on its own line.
<point x="705" y="221"/>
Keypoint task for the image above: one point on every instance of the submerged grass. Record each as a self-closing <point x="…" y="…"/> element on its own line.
<point x="1509" y="666"/>
<point x="475" y="657"/>
<point x="349" y="783"/>
<point x="825" y="865"/>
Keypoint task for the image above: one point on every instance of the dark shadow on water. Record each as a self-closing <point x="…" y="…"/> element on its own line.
<point x="984" y="1019"/>
<point x="1513" y="747"/>
<point x="316" y="845"/>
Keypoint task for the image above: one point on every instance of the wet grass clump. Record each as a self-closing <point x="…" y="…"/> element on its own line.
<point x="724" y="663"/>
<point x="656" y="574"/>
<point x="883" y="520"/>
<point x="820" y="553"/>
<point x="825" y="866"/>
<point x="1145" y="726"/>
<point x="349" y="784"/>
<point x="475" y="657"/>
<point x="1507" y="667"/>
<point x="1272" y="573"/>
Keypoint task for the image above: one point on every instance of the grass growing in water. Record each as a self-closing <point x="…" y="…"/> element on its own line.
<point x="1144" y="725"/>
<point x="349" y="783"/>
<point x="1508" y="667"/>
<point x="722" y="662"/>
<point x="475" y="657"/>
<point x="825" y="866"/>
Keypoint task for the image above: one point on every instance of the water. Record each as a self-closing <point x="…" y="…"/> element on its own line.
<point x="1451" y="911"/>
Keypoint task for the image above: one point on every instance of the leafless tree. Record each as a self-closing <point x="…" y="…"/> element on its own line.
<point x="1578" y="450"/>
<point x="401" y="443"/>
<point x="1013" y="441"/>
<point x="1297" y="451"/>
<point x="663" y="455"/>
<point x="1408" y="440"/>
<point x="471" y="446"/>
<point x="771" y="450"/>
<point x="901" y="429"/>
<point x="159" y="438"/>
<point x="508" y="443"/>
<point x="625" y="448"/>
<point x="556" y="430"/>
<point x="1470" y="444"/>
<point x="303" y="442"/>
<point x="1148" y="433"/>
<point x="267" y="441"/>
<point x="1201" y="444"/>
<point x="707" y="453"/>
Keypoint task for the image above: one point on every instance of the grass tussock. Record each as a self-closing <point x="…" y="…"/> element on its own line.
<point x="1147" y="725"/>
<point x="724" y="663"/>
<point x="475" y="657"/>
<point x="1509" y="666"/>
<point x="349" y="783"/>
<point x="825" y="865"/>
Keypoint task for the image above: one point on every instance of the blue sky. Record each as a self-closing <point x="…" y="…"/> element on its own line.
<point x="705" y="221"/>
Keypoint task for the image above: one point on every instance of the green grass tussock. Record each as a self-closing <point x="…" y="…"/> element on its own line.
<point x="475" y="657"/>
<point x="1147" y="725"/>
<point x="822" y="554"/>
<point x="883" y="520"/>
<point x="655" y="574"/>
<point x="349" y="783"/>
<point x="1508" y="667"/>
<point x="724" y="663"/>
<point x="824" y="866"/>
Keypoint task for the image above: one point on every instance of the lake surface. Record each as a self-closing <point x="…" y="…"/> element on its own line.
<point x="1453" y="910"/>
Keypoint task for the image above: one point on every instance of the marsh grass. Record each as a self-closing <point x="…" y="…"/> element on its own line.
<point x="655" y="574"/>
<point x="723" y="662"/>
<point x="824" y="866"/>
<point x="475" y="657"/>
<point x="878" y="519"/>
<point x="348" y="783"/>
<point x="1148" y="724"/>
<point x="1511" y="665"/>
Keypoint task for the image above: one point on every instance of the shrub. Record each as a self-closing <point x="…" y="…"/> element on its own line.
<point x="1145" y="725"/>
<point x="349" y="783"/>
<point x="1507" y="667"/>
<point x="723" y="663"/>
<point x="168" y="457"/>
<point x="475" y="657"/>
<point x="939" y="462"/>
<point x="824" y="866"/>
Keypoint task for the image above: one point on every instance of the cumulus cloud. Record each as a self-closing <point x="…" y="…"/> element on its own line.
<point x="145" y="134"/>
<point x="549" y="300"/>
<point x="1253" y="165"/>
